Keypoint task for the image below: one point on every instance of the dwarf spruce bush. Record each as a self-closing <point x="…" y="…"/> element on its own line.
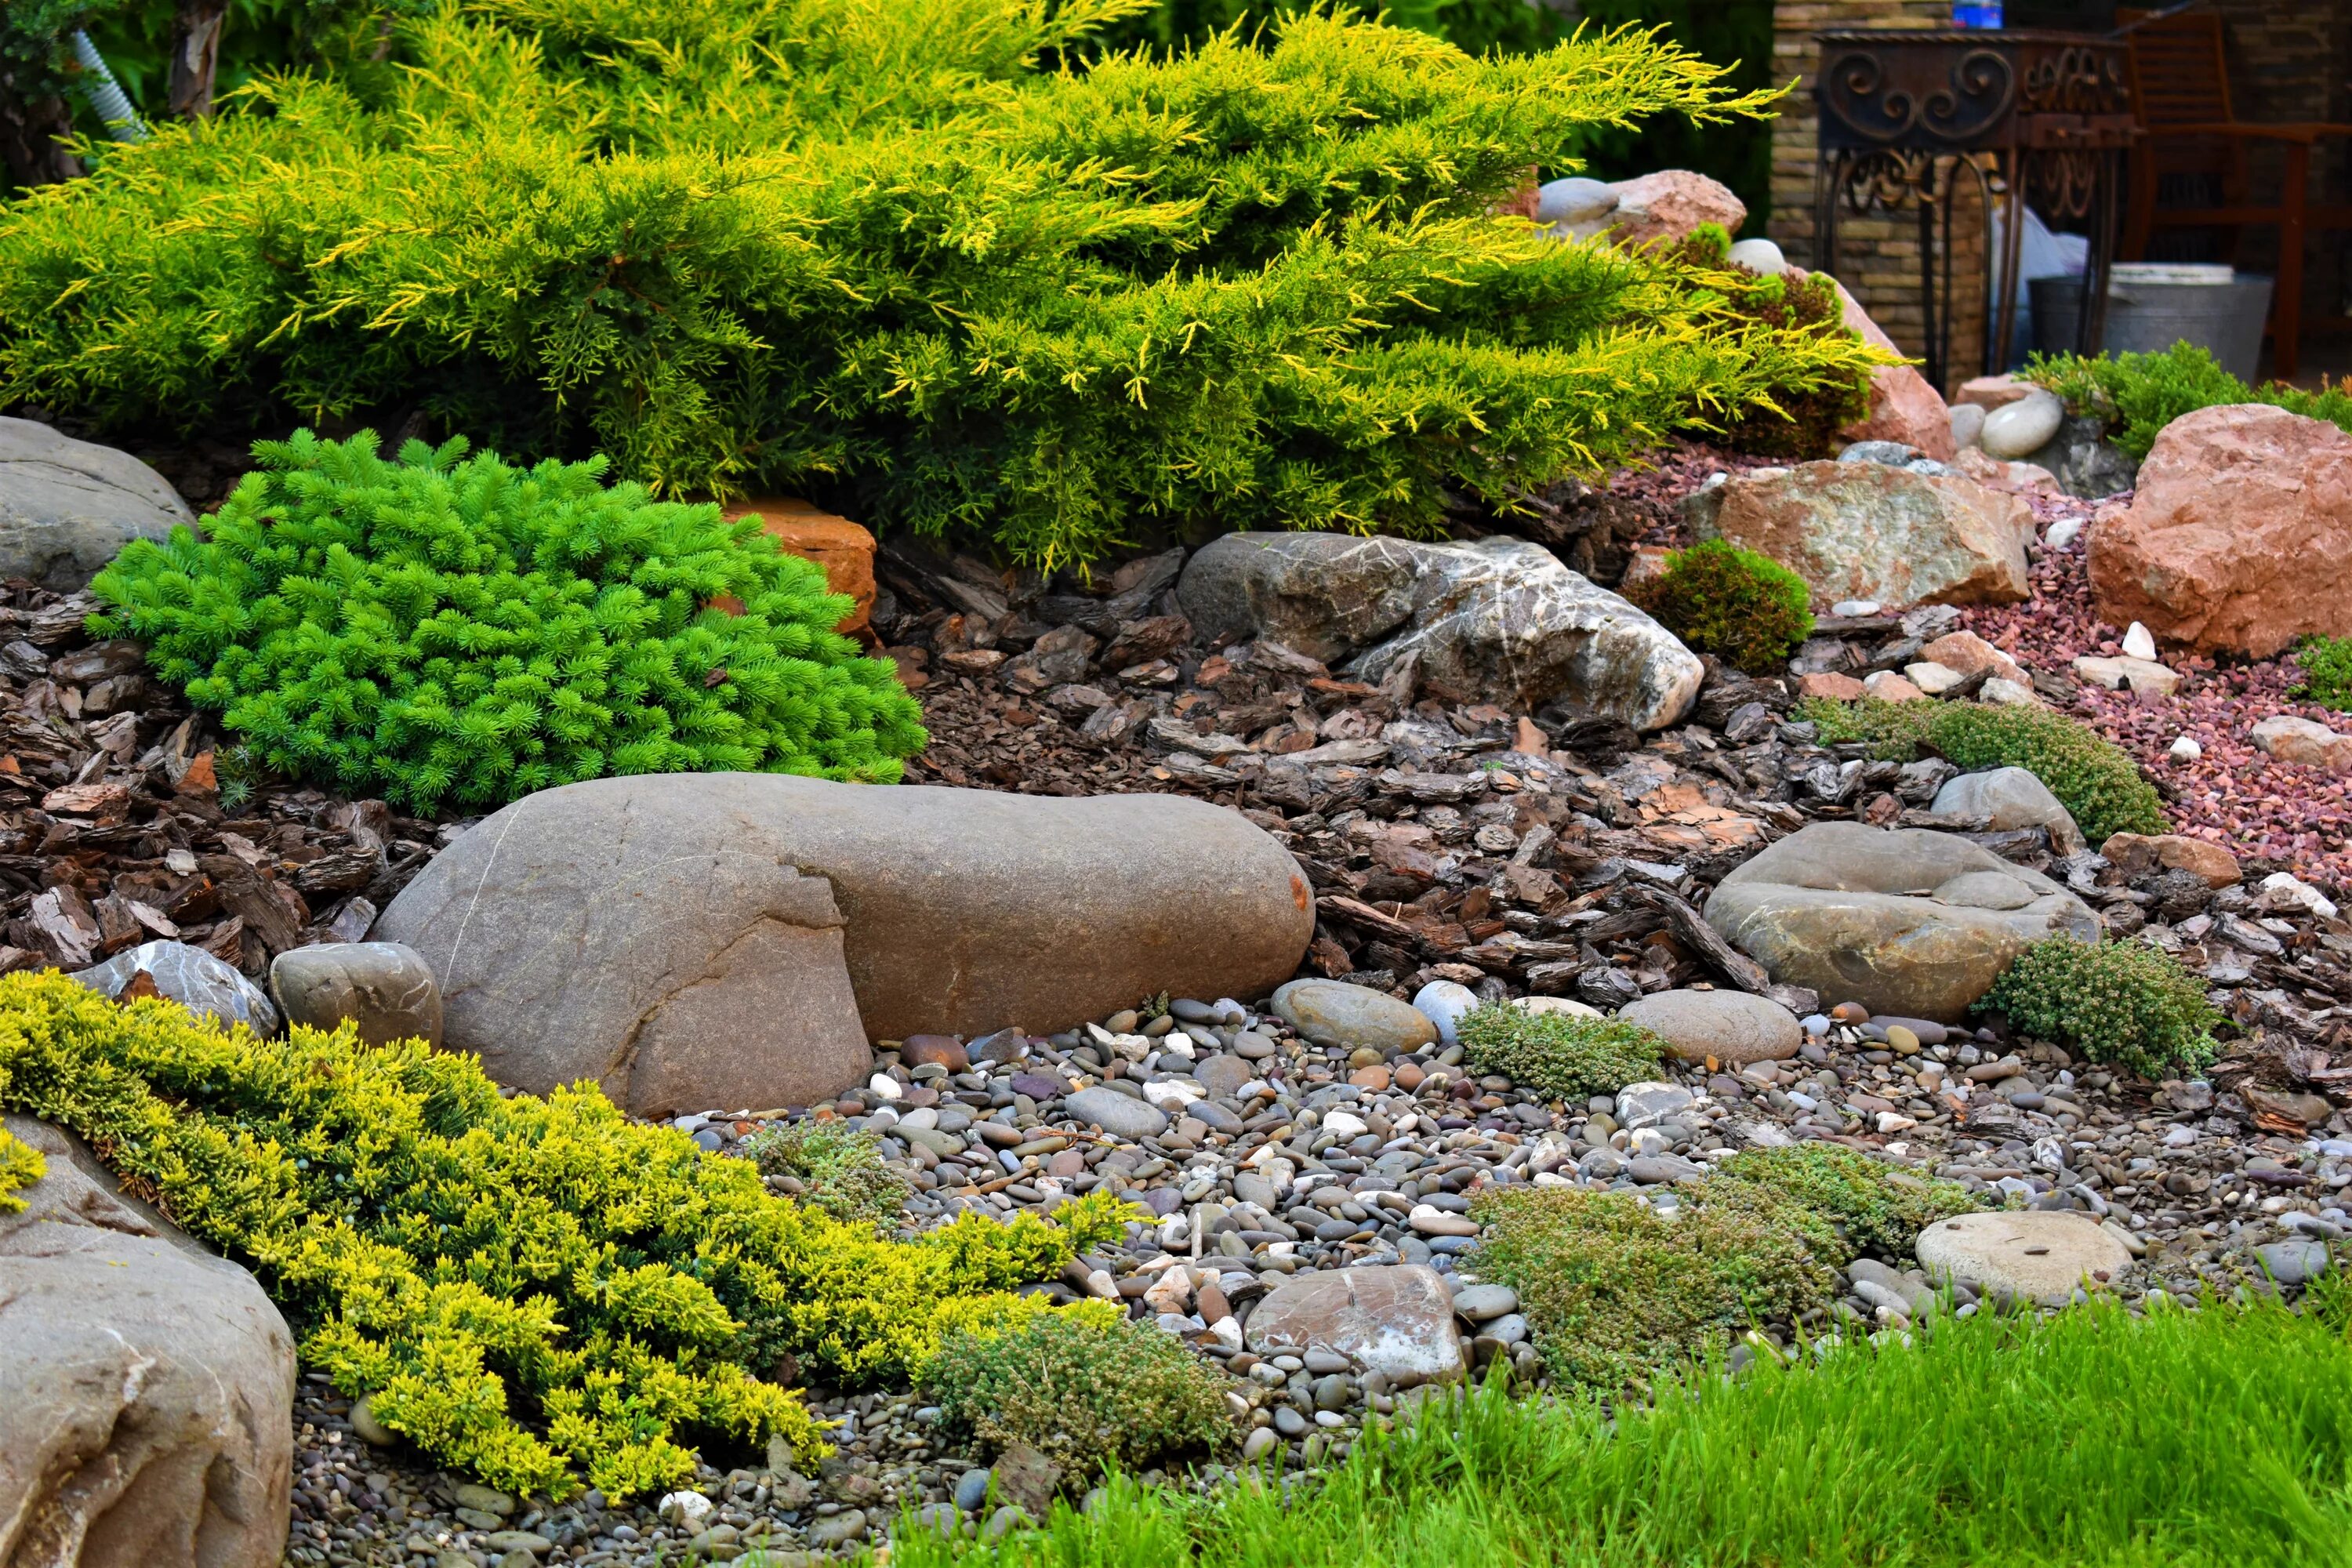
<point x="1565" y="1054"/>
<point x="20" y="1166"/>
<point x="440" y="628"/>
<point x="2094" y="779"/>
<point x="2124" y="1002"/>
<point x="539" y="1292"/>
<point x="870" y="251"/>
<point x="1742" y="606"/>
<point x="1088" y="1388"/>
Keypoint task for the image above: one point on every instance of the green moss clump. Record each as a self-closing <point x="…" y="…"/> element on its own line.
<point x="535" y="1292"/>
<point x="1874" y="1207"/>
<point x="2139" y="394"/>
<point x="2124" y="1003"/>
<point x="2092" y="778"/>
<point x="842" y="1167"/>
<point x="1742" y="606"/>
<point x="1086" y="1388"/>
<point x="2327" y="665"/>
<point x="1566" y="1056"/>
<point x="441" y="627"/>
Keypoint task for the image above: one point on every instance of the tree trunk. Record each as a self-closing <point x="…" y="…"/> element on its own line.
<point x="195" y="56"/>
<point x="29" y="132"/>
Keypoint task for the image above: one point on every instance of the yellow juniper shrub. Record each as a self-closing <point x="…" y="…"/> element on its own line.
<point x="536" y="1290"/>
<point x="20" y="1166"/>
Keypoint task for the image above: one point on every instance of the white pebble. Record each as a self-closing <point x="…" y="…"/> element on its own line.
<point x="1445" y="1003"/>
<point x="883" y="1084"/>
<point x="1759" y="255"/>
<point x="2139" y="643"/>
<point x="2185" y="750"/>
<point x="2021" y="428"/>
<point x="686" y="1509"/>
<point x="2290" y="890"/>
<point x="2063" y="532"/>
<point x="1854" y="607"/>
<point x="1968" y="424"/>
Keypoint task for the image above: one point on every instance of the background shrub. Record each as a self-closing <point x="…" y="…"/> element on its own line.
<point x="2120" y="1002"/>
<point x="2095" y="780"/>
<point x="841" y="1166"/>
<point x="1085" y="1387"/>
<point x="532" y="1291"/>
<point x="1566" y="1056"/>
<point x="862" y="250"/>
<point x="440" y="627"/>
<point x="2139" y="394"/>
<point x="1874" y="1207"/>
<point x="1746" y="608"/>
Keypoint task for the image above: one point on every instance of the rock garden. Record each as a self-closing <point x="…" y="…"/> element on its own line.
<point x="1445" y="874"/>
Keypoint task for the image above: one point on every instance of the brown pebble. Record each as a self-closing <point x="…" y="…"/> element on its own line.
<point x="1212" y="1304"/>
<point x="1407" y="1076"/>
<point x="1373" y="1078"/>
<point x="944" y="1049"/>
<point x="1363" y="1056"/>
<point x="1849" y="1013"/>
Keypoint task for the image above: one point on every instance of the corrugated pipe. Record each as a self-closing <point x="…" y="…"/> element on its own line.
<point x="122" y="121"/>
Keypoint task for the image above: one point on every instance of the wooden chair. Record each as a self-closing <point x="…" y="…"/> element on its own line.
<point x="2181" y="97"/>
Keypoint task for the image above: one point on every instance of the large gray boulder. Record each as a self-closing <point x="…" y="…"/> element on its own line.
<point x="1906" y="920"/>
<point x="735" y="939"/>
<point x="66" y="506"/>
<point x="146" y="1385"/>
<point x="1498" y="617"/>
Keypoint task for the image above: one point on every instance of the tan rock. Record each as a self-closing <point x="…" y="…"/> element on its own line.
<point x="844" y="549"/>
<point x="1903" y="406"/>
<point x="1669" y="204"/>
<point x="1889" y="687"/>
<point x="1395" y="1319"/>
<point x="1991" y="392"/>
<point x="1968" y="653"/>
<point x="2293" y="740"/>
<point x="2140" y="674"/>
<point x="146" y="1385"/>
<point x="2235" y="507"/>
<point x="1933" y="679"/>
<point x="1732" y="1026"/>
<point x="2018" y="476"/>
<point x="1831" y="684"/>
<point x="1866" y="531"/>
<point x="2042" y="1254"/>
<point x="2137" y="854"/>
<point x="2009" y="693"/>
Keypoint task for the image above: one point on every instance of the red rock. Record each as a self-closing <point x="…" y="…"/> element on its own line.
<point x="844" y="549"/>
<point x="1671" y="204"/>
<point x="1903" y="406"/>
<point x="1889" y="687"/>
<point x="2235" y="507"/>
<point x="2136" y="854"/>
<point x="1991" y="392"/>
<point x="919" y="1050"/>
<point x="1830" y="684"/>
<point x="1968" y="653"/>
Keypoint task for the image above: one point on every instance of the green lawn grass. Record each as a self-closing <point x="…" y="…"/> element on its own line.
<point x="2218" y="1435"/>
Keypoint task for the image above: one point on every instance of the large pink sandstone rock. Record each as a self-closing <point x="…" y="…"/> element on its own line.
<point x="1903" y="406"/>
<point x="2238" y="537"/>
<point x="1669" y="204"/>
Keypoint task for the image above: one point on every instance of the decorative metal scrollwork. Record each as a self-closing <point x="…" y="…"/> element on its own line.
<point x="2076" y="80"/>
<point x="1882" y="99"/>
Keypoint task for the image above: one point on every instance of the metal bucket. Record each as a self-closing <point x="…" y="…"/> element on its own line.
<point x="2144" y="317"/>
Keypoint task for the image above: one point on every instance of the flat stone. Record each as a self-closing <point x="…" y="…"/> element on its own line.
<point x="1396" y="1319"/>
<point x="735" y="939"/>
<point x="2042" y="1254"/>
<point x="2023" y="427"/>
<point x="1889" y="687"/>
<point x="68" y="507"/>
<point x="2010" y="798"/>
<point x="1334" y="1013"/>
<point x="1116" y="1113"/>
<point x="1643" y="1105"/>
<point x="2293" y="1262"/>
<point x="2141" y="855"/>
<point x="1904" y="920"/>
<point x="1222" y="1075"/>
<point x="2138" y="673"/>
<point x="146" y="1385"/>
<point x="1933" y="679"/>
<point x="1732" y="1026"/>
<point x="1664" y="1170"/>
<point x="1479" y="1303"/>
<point x="1446" y="1003"/>
<point x="2293" y="740"/>
<point x="383" y="987"/>
<point x="188" y="975"/>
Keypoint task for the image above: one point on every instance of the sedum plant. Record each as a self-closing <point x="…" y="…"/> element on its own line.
<point x="841" y="1165"/>
<point x="437" y="628"/>
<point x="1566" y="1056"/>
<point x="870" y="250"/>
<point x="2124" y="1002"/>
<point x="536" y="1291"/>
<point x="1742" y="606"/>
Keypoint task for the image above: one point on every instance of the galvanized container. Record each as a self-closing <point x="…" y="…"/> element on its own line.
<point x="2150" y="307"/>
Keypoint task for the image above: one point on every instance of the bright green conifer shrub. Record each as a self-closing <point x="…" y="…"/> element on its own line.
<point x="864" y="250"/>
<point x="1087" y="1387"/>
<point x="20" y="1166"/>
<point x="1566" y="1056"/>
<point x="538" y="1292"/>
<point x="2137" y="394"/>
<point x="2092" y="778"/>
<point x="2128" y="1003"/>
<point x="1744" y="607"/>
<point x="443" y="629"/>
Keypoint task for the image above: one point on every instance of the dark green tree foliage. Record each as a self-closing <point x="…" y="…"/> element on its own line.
<point x="1746" y="608"/>
<point x="439" y="628"/>
<point x="862" y="248"/>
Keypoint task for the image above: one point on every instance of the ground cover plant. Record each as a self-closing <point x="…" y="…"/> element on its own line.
<point x="1566" y="1056"/>
<point x="2139" y="394"/>
<point x="2092" y="778"/>
<point x="1742" y="606"/>
<point x="2213" y="1438"/>
<point x="866" y="250"/>
<point x="437" y="628"/>
<point x="538" y="1293"/>
<point x="2124" y="1002"/>
<point x="1872" y="1206"/>
<point x="1088" y="1388"/>
<point x="2326" y="666"/>
<point x="841" y="1167"/>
